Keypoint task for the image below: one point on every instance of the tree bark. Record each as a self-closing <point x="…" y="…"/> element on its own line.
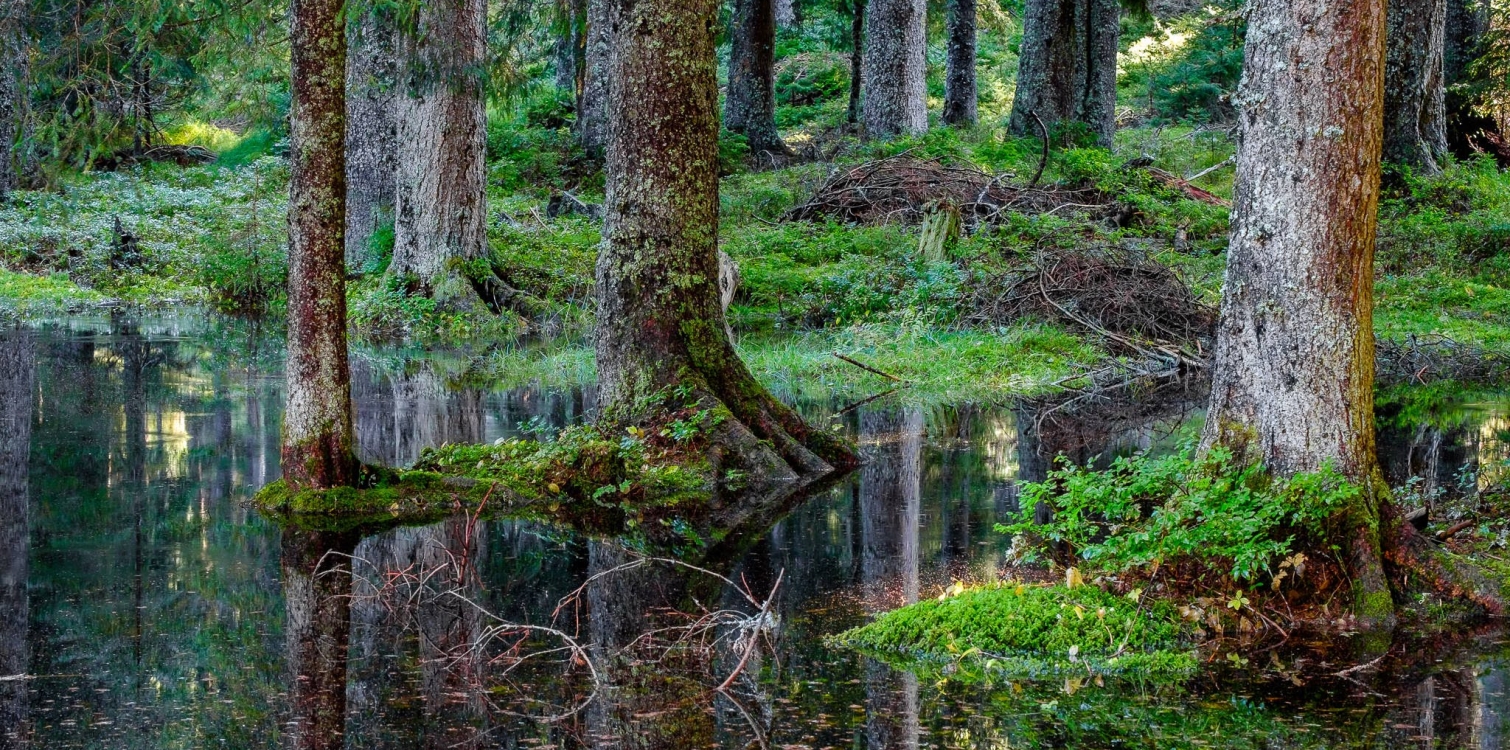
<point x="13" y="72"/>
<point x="1293" y="376"/>
<point x="1067" y="70"/>
<point x="570" y="44"/>
<point x="750" y="106"/>
<point x="896" y="47"/>
<point x="785" y="13"/>
<point x="960" y="98"/>
<point x="17" y="394"/>
<point x="1415" y="111"/>
<point x="660" y="322"/>
<point x="317" y="448"/>
<point x="592" y="105"/>
<point x="371" y="132"/>
<point x="441" y="204"/>
<point x="856" y="59"/>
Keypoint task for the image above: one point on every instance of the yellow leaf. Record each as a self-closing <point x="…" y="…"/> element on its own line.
<point x="1072" y="578"/>
<point x="553" y="487"/>
<point x="1135" y="594"/>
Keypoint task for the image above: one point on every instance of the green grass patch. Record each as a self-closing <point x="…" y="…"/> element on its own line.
<point x="31" y="295"/>
<point x="1034" y="631"/>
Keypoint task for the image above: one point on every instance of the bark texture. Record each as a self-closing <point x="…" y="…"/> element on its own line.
<point x="441" y="203"/>
<point x="1294" y="361"/>
<point x="961" y="106"/>
<point x="1415" y="107"/>
<point x="371" y="132"/>
<point x="660" y="322"/>
<point x="13" y="72"/>
<point x="896" y="47"/>
<point x="750" y="106"/>
<point x="1067" y="70"/>
<point x="16" y="398"/>
<point x="317" y="449"/>
<point x="570" y="43"/>
<point x="592" y="105"/>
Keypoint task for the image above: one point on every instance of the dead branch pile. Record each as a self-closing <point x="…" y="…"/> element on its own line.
<point x="1425" y="359"/>
<point x="1138" y="305"/>
<point x="902" y="190"/>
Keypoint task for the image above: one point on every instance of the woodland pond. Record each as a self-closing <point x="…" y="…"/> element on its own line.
<point x="162" y="612"/>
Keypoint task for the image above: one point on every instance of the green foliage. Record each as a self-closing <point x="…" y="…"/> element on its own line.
<point x="733" y="150"/>
<point x="1034" y="630"/>
<point x="529" y="159"/>
<point x="1144" y="511"/>
<point x="1198" y="84"/>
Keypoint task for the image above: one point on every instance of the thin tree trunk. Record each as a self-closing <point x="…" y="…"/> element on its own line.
<point x="371" y="132"/>
<point x="750" y="107"/>
<point x="785" y="13"/>
<point x="856" y="59"/>
<point x="896" y="47"/>
<point x="592" y="105"/>
<point x="441" y="202"/>
<point x="960" y="99"/>
<point x="660" y="322"/>
<point x="17" y="394"/>
<point x="570" y="42"/>
<point x="1067" y="71"/>
<point x="1293" y="382"/>
<point x="13" y="72"/>
<point x="317" y="437"/>
<point x="1414" y="93"/>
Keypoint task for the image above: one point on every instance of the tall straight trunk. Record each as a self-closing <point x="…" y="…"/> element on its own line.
<point x="16" y="398"/>
<point x="1293" y="380"/>
<point x="1415" y="104"/>
<point x="896" y="48"/>
<point x="750" y="107"/>
<point x="960" y="100"/>
<point x="856" y="59"/>
<point x="317" y="589"/>
<point x="371" y="132"/>
<point x="13" y="93"/>
<point x="660" y="320"/>
<point x="441" y="204"/>
<point x="1466" y="26"/>
<point x="571" y="21"/>
<point x="317" y="448"/>
<point x="1067" y="71"/>
<point x="890" y="510"/>
<point x="592" y="105"/>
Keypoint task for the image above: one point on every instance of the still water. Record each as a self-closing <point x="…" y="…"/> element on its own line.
<point x="143" y="605"/>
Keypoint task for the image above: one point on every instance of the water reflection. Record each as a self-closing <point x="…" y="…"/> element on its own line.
<point x="160" y="613"/>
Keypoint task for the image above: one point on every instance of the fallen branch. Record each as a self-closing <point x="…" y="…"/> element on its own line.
<point x="1043" y="160"/>
<point x="870" y="369"/>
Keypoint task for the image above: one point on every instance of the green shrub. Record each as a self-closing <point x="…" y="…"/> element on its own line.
<point x="1145" y="510"/>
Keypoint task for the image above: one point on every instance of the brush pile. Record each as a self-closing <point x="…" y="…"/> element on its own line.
<point x="1430" y="358"/>
<point x="1138" y="305"/>
<point x="904" y="190"/>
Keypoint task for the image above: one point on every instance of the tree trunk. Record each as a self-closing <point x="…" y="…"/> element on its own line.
<point x="1414" y="93"/>
<point x="17" y="395"/>
<point x="317" y="449"/>
<point x="1293" y="378"/>
<point x="317" y="595"/>
<point x="371" y="137"/>
<point x="13" y="92"/>
<point x="441" y="204"/>
<point x="1067" y="71"/>
<point x="1466" y="26"/>
<point x="750" y="107"/>
<point x="592" y="105"/>
<point x="856" y="59"/>
<point x="896" y="47"/>
<point x="660" y="323"/>
<point x="960" y="100"/>
<point x="785" y="13"/>
<point x="570" y="43"/>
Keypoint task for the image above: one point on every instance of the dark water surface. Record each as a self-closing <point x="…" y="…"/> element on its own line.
<point x="142" y="605"/>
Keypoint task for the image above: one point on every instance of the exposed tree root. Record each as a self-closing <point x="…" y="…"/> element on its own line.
<point x="1417" y="563"/>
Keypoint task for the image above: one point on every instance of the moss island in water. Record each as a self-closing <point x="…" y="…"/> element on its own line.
<point x="1034" y="631"/>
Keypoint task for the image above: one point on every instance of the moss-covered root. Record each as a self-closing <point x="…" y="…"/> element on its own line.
<point x="387" y="497"/>
<point x="1419" y="563"/>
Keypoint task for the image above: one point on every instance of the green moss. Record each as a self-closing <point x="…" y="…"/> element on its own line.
<point x="28" y="295"/>
<point x="1034" y="630"/>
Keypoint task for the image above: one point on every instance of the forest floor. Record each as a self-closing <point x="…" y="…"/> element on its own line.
<point x="954" y="317"/>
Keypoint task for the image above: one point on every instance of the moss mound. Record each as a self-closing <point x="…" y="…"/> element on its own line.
<point x="1034" y="631"/>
